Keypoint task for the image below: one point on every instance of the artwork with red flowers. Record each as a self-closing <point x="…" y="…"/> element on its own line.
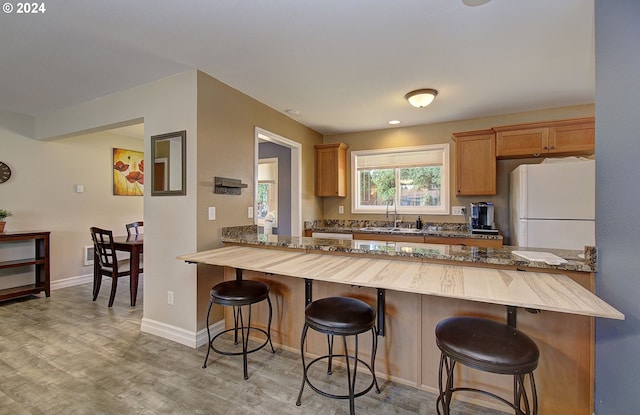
<point x="128" y="172"/>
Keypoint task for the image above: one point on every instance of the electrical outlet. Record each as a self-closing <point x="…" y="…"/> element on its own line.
<point x="250" y="212"/>
<point x="170" y="297"/>
<point x="340" y="210"/>
<point x="458" y="210"/>
<point x="212" y="213"/>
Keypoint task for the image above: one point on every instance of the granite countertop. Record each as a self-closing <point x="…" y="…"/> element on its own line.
<point x="445" y="230"/>
<point x="248" y="235"/>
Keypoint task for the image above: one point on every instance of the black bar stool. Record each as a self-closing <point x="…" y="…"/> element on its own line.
<point x="238" y="293"/>
<point x="340" y="316"/>
<point x="488" y="346"/>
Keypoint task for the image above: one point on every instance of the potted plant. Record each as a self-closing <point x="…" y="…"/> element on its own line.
<point x="3" y="215"/>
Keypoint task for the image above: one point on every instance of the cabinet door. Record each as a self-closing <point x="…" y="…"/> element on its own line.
<point x="475" y="163"/>
<point x="388" y="237"/>
<point x="522" y="143"/>
<point x="574" y="139"/>
<point x="485" y="243"/>
<point x="331" y="169"/>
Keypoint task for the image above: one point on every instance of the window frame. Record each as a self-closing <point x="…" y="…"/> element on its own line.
<point x="445" y="191"/>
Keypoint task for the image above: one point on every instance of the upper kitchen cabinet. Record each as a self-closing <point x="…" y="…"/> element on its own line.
<point x="546" y="139"/>
<point x="475" y="163"/>
<point x="331" y="169"/>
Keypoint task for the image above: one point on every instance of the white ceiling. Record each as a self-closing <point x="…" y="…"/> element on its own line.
<point x="345" y="65"/>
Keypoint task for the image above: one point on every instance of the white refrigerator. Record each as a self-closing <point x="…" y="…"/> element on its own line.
<point x="552" y="204"/>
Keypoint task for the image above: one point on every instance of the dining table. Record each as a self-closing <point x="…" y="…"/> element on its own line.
<point x="134" y="245"/>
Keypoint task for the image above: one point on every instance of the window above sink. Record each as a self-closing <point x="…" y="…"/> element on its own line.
<point x="408" y="180"/>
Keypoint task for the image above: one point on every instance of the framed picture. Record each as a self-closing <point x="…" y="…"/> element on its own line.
<point x="128" y="172"/>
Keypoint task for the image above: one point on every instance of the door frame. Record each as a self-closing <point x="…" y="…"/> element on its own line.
<point x="296" y="175"/>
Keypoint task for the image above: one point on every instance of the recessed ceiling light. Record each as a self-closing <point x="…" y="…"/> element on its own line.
<point x="394" y="122"/>
<point x="291" y="111"/>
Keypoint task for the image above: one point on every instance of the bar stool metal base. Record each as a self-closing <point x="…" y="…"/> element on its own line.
<point x="239" y="326"/>
<point x="520" y="395"/>
<point x="491" y="347"/>
<point x="351" y="370"/>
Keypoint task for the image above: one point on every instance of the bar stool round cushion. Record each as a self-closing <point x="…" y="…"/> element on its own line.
<point x="340" y="316"/>
<point x="237" y="293"/>
<point x="487" y="345"/>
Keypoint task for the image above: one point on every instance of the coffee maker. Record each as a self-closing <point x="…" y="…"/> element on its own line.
<point x="481" y="218"/>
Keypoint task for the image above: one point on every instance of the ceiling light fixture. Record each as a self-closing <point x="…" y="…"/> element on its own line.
<point x="475" y="3"/>
<point x="394" y="122"/>
<point x="420" y="98"/>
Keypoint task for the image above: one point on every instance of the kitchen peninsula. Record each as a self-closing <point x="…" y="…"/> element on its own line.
<point x="423" y="284"/>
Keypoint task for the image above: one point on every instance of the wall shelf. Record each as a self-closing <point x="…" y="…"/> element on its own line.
<point x="226" y="186"/>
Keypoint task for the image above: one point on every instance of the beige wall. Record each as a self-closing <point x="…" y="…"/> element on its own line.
<point x="441" y="133"/>
<point x="165" y="105"/>
<point x="220" y="124"/>
<point x="41" y="192"/>
<point x="227" y="120"/>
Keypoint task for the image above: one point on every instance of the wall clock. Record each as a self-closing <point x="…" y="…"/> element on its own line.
<point x="5" y="172"/>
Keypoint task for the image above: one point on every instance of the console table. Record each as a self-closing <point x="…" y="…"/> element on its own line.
<point x="40" y="261"/>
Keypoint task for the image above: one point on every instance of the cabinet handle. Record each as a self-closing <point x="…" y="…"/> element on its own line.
<point x="536" y="154"/>
<point x="545" y="147"/>
<point x="552" y="147"/>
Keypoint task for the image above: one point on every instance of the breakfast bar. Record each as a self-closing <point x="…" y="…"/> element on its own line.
<point x="420" y="287"/>
<point x="529" y="290"/>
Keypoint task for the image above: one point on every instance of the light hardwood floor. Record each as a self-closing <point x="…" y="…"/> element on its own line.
<point x="68" y="355"/>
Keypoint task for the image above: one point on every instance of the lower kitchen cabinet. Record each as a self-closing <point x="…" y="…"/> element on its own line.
<point x="429" y="239"/>
<point x="479" y="242"/>
<point x="388" y="237"/>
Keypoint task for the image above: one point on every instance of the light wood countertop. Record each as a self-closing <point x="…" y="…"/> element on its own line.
<point x="535" y="290"/>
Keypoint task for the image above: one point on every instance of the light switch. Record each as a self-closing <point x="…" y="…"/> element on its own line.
<point x="212" y="213"/>
<point x="250" y="212"/>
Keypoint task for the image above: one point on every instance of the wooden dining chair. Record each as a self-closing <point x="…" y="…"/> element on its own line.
<point x="134" y="228"/>
<point x="108" y="264"/>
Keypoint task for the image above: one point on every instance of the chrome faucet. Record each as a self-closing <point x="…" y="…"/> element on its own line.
<point x="395" y="213"/>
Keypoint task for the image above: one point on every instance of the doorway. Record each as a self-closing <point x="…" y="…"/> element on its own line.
<point x="288" y="153"/>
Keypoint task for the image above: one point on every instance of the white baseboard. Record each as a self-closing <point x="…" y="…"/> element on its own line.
<point x="71" y="281"/>
<point x="215" y="328"/>
<point x="180" y="335"/>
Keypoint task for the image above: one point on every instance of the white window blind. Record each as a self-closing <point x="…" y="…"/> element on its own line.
<point x="400" y="160"/>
